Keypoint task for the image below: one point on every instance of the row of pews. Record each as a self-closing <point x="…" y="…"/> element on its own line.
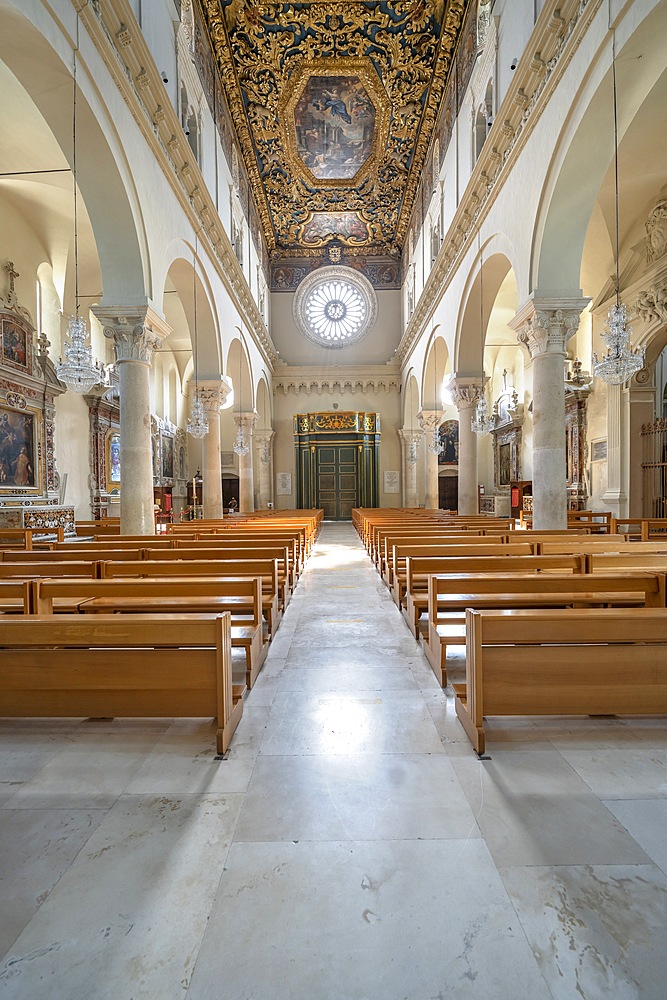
<point x="569" y="622"/>
<point x="139" y="626"/>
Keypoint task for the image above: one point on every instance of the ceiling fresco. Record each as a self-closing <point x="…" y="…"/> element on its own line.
<point x="334" y="105"/>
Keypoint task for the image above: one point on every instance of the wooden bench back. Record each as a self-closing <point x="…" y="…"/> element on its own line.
<point x="119" y="665"/>
<point x="599" y="544"/>
<point x="419" y="568"/>
<point x="611" y="562"/>
<point x="45" y="591"/>
<point x="67" y="567"/>
<point x="15" y="597"/>
<point x="267" y="569"/>
<point x="649" y="585"/>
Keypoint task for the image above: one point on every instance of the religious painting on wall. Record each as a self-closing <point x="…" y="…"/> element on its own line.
<point x="17" y="448"/>
<point x="15" y="344"/>
<point x="334" y="122"/>
<point x="449" y="437"/>
<point x="504" y="464"/>
<point x="167" y="456"/>
<point x="113" y="459"/>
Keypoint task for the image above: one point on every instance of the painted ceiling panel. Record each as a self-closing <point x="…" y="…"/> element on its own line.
<point x="334" y="106"/>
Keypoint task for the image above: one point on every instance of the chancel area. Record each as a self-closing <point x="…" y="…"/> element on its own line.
<point x="333" y="525"/>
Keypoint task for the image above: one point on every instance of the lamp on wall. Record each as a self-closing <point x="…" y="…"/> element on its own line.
<point x="79" y="372"/>
<point x="240" y="446"/>
<point x="621" y="362"/>
<point x="197" y="424"/>
<point x="483" y="422"/>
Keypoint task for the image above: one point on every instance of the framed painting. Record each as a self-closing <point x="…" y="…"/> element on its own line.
<point x="16" y="343"/>
<point x="166" y="456"/>
<point x="504" y="464"/>
<point x="113" y="459"/>
<point x="449" y="438"/>
<point x="18" y="446"/>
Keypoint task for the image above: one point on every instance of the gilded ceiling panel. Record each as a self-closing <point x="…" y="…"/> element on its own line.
<point x="334" y="106"/>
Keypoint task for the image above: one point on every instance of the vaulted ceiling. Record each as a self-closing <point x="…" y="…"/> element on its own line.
<point x="334" y="105"/>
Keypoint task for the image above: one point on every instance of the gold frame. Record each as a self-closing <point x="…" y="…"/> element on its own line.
<point x="111" y="484"/>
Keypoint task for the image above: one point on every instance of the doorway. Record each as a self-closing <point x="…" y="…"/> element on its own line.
<point x="448" y="492"/>
<point x="337" y="476"/>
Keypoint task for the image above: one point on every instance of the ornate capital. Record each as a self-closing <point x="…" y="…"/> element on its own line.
<point x="246" y="421"/>
<point x="136" y="331"/>
<point x="263" y="439"/>
<point x="429" y="419"/>
<point x="652" y="303"/>
<point x="213" y="393"/>
<point x="544" y="326"/>
<point x="466" y="392"/>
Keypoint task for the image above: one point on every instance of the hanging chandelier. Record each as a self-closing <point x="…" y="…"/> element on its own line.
<point x="240" y="446"/>
<point x="79" y="371"/>
<point x="197" y="423"/>
<point x="621" y="361"/>
<point x="435" y="445"/>
<point x="483" y="422"/>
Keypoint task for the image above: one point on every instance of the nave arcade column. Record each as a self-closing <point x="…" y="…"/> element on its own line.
<point x="136" y="332"/>
<point x="263" y="439"/>
<point x="429" y="421"/>
<point x="466" y="393"/>
<point x="544" y="327"/>
<point x="410" y="441"/>
<point x="246" y="423"/>
<point x="212" y="393"/>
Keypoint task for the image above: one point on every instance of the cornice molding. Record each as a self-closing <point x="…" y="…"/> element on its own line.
<point x="552" y="46"/>
<point x="327" y="379"/>
<point x="118" y="39"/>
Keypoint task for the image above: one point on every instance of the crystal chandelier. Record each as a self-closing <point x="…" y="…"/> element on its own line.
<point x="621" y="362"/>
<point x="240" y="444"/>
<point x="197" y="423"/>
<point x="79" y="372"/>
<point x="435" y="446"/>
<point x="483" y="422"/>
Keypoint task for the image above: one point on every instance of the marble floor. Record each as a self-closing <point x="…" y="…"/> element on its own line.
<point x="351" y="846"/>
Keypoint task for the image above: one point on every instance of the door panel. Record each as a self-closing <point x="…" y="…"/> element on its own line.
<point x="337" y="481"/>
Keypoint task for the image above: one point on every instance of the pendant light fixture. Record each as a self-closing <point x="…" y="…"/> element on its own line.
<point x="483" y="422"/>
<point x="79" y="372"/>
<point x="197" y="424"/>
<point x="436" y="446"/>
<point x="621" y="362"/>
<point x="240" y="444"/>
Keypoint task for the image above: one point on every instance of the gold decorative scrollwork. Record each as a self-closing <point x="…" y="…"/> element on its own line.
<point x="402" y="52"/>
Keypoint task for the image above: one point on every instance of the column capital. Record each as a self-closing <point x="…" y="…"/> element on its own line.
<point x="214" y="393"/>
<point x="410" y="439"/>
<point x="466" y="391"/>
<point x="545" y="325"/>
<point x="246" y="420"/>
<point x="136" y="331"/>
<point x="263" y="438"/>
<point x="429" y="419"/>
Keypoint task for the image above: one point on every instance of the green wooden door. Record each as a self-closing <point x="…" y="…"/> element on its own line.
<point x="337" y="479"/>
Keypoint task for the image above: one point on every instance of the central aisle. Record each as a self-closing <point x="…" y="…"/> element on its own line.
<point x="357" y="870"/>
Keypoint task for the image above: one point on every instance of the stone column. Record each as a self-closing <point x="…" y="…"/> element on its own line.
<point x="136" y="332"/>
<point x="263" y="442"/>
<point x="212" y="393"/>
<point x="246" y="423"/>
<point x="467" y="393"/>
<point x="544" y="327"/>
<point x="410" y="441"/>
<point x="429" y="421"/>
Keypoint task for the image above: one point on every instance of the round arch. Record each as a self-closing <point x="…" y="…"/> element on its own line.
<point x="436" y="364"/>
<point x="239" y="370"/>
<point x="103" y="179"/>
<point x="478" y="301"/>
<point x="576" y="177"/>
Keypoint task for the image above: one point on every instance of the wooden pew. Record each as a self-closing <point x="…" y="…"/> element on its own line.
<point x="25" y="538"/>
<point x="450" y="596"/>
<point x="212" y="569"/>
<point x="565" y="662"/>
<point x="478" y="545"/>
<point x="15" y="597"/>
<point x="419" y="569"/>
<point x="166" y="666"/>
<point x="242" y="597"/>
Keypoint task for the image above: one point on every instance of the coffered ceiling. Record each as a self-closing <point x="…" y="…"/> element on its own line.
<point x="334" y="105"/>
